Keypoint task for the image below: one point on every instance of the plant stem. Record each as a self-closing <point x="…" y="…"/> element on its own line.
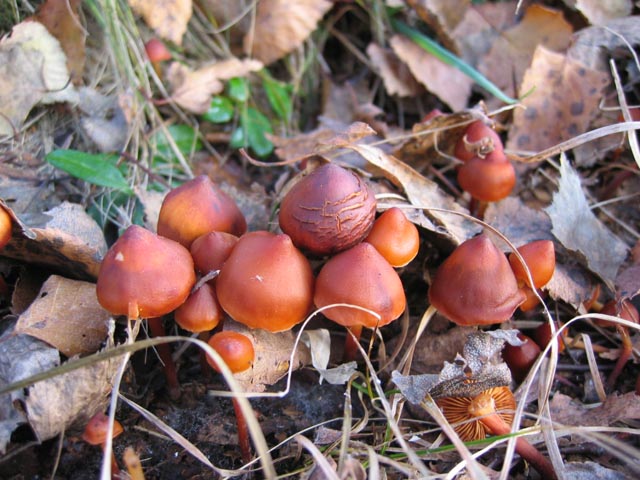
<point x="351" y="343"/>
<point x="243" y="432"/>
<point x="625" y="355"/>
<point x="156" y="328"/>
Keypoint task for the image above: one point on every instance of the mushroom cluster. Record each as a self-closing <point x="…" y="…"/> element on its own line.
<point x="486" y="173"/>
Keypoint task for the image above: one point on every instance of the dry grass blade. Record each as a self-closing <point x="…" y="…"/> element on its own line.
<point x="321" y="461"/>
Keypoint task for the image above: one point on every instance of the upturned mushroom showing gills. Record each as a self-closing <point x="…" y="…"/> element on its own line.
<point x="144" y="275"/>
<point x="328" y="211"/>
<point x="266" y="282"/>
<point x="198" y="207"/>
<point x="475" y="285"/>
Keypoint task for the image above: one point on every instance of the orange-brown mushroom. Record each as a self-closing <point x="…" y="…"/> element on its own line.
<point x="395" y="237"/>
<point x="491" y="412"/>
<point x="479" y="140"/>
<point x="328" y="211"/>
<point x="96" y="433"/>
<point x="238" y="353"/>
<point x="211" y="250"/>
<point x="475" y="285"/>
<point x="362" y="277"/>
<point x="200" y="312"/>
<point x="540" y="258"/>
<point x="144" y="275"/>
<point x="5" y="227"/>
<point x="198" y="207"/>
<point x="520" y="358"/>
<point x="487" y="179"/>
<point x="266" y="282"/>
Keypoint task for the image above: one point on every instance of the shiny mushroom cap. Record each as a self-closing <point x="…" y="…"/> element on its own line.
<point x="475" y="285"/>
<point x="266" y="282"/>
<point x="95" y="433"/>
<point x="198" y="207"/>
<point x="144" y="275"/>
<point x="540" y="257"/>
<point x="395" y="237"/>
<point x="360" y="276"/>
<point x="236" y="349"/>
<point x="201" y="311"/>
<point x="487" y="179"/>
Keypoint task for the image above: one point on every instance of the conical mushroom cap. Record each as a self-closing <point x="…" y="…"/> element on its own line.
<point x="475" y="285"/>
<point x="144" y="275"/>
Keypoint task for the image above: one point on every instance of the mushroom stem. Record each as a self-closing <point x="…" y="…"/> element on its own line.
<point x="243" y="432"/>
<point x="351" y="343"/>
<point x="625" y="355"/>
<point x="483" y="407"/>
<point x="156" y="328"/>
<point x="204" y="365"/>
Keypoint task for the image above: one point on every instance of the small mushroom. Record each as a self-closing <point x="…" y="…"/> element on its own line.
<point x="362" y="277"/>
<point x="211" y="250"/>
<point x="200" y="312"/>
<point x="540" y="259"/>
<point x="198" y="207"/>
<point x="520" y="358"/>
<point x="238" y="353"/>
<point x="157" y="52"/>
<point x="266" y="282"/>
<point x="491" y="412"/>
<point x="475" y="285"/>
<point x="5" y="227"/>
<point x="487" y="179"/>
<point x="96" y="433"/>
<point x="478" y="141"/>
<point x="395" y="237"/>
<point x="328" y="211"/>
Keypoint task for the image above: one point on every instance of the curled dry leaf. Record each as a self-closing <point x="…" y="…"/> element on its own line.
<point x="511" y="53"/>
<point x="66" y="314"/>
<point x="578" y="229"/>
<point x="32" y="70"/>
<point x="397" y="78"/>
<point x="65" y="238"/>
<point x="566" y="97"/>
<point x="192" y="89"/>
<point x="445" y="81"/>
<point x="63" y="22"/>
<point x="282" y="26"/>
<point x="272" y="356"/>
<point x="600" y="13"/>
<point x="168" y="18"/>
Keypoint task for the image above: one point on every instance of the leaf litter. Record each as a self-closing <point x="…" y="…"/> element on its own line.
<point x="405" y="172"/>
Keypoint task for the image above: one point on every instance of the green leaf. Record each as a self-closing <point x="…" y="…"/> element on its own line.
<point x="99" y="169"/>
<point x="184" y="136"/>
<point x="238" y="89"/>
<point x="238" y="139"/>
<point x="279" y="95"/>
<point x="446" y="56"/>
<point x="255" y="125"/>
<point x="220" y="110"/>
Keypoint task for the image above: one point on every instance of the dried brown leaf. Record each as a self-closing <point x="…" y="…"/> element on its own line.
<point x="66" y="314"/>
<point x="571" y="283"/>
<point x="61" y="17"/>
<point x="579" y="230"/>
<point x="519" y="223"/>
<point x="32" y="70"/>
<point x="511" y="53"/>
<point x="628" y="282"/>
<point x="600" y="13"/>
<point x="272" y="356"/>
<point x="397" y="78"/>
<point x="442" y="16"/>
<point x="65" y="238"/>
<point x="169" y="18"/>
<point x="566" y="97"/>
<point x="282" y="26"/>
<point x="192" y="89"/>
<point x="616" y="408"/>
<point x="445" y="81"/>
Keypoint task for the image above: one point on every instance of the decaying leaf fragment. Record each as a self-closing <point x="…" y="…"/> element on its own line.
<point x="566" y="95"/>
<point x="445" y="81"/>
<point x="578" y="229"/>
<point x="66" y="314"/>
<point x="282" y="26"/>
<point x="397" y="78"/>
<point x="600" y="12"/>
<point x="32" y="70"/>
<point x="192" y="89"/>
<point x="169" y="18"/>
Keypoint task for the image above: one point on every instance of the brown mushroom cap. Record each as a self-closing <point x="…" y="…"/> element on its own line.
<point x="144" y="275"/>
<point x="488" y="179"/>
<point x="266" y="282"/>
<point x="95" y="433"/>
<point x="479" y="139"/>
<point x="360" y="276"/>
<point x="5" y="227"/>
<point x="475" y="285"/>
<point x="328" y="211"/>
<point x="624" y="310"/>
<point x="211" y="250"/>
<point x="458" y="414"/>
<point x="540" y="257"/>
<point x="235" y="348"/>
<point x="198" y="207"/>
<point x="395" y="237"/>
<point x="200" y="312"/>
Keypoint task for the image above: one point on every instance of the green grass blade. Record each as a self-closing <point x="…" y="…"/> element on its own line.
<point x="449" y="58"/>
